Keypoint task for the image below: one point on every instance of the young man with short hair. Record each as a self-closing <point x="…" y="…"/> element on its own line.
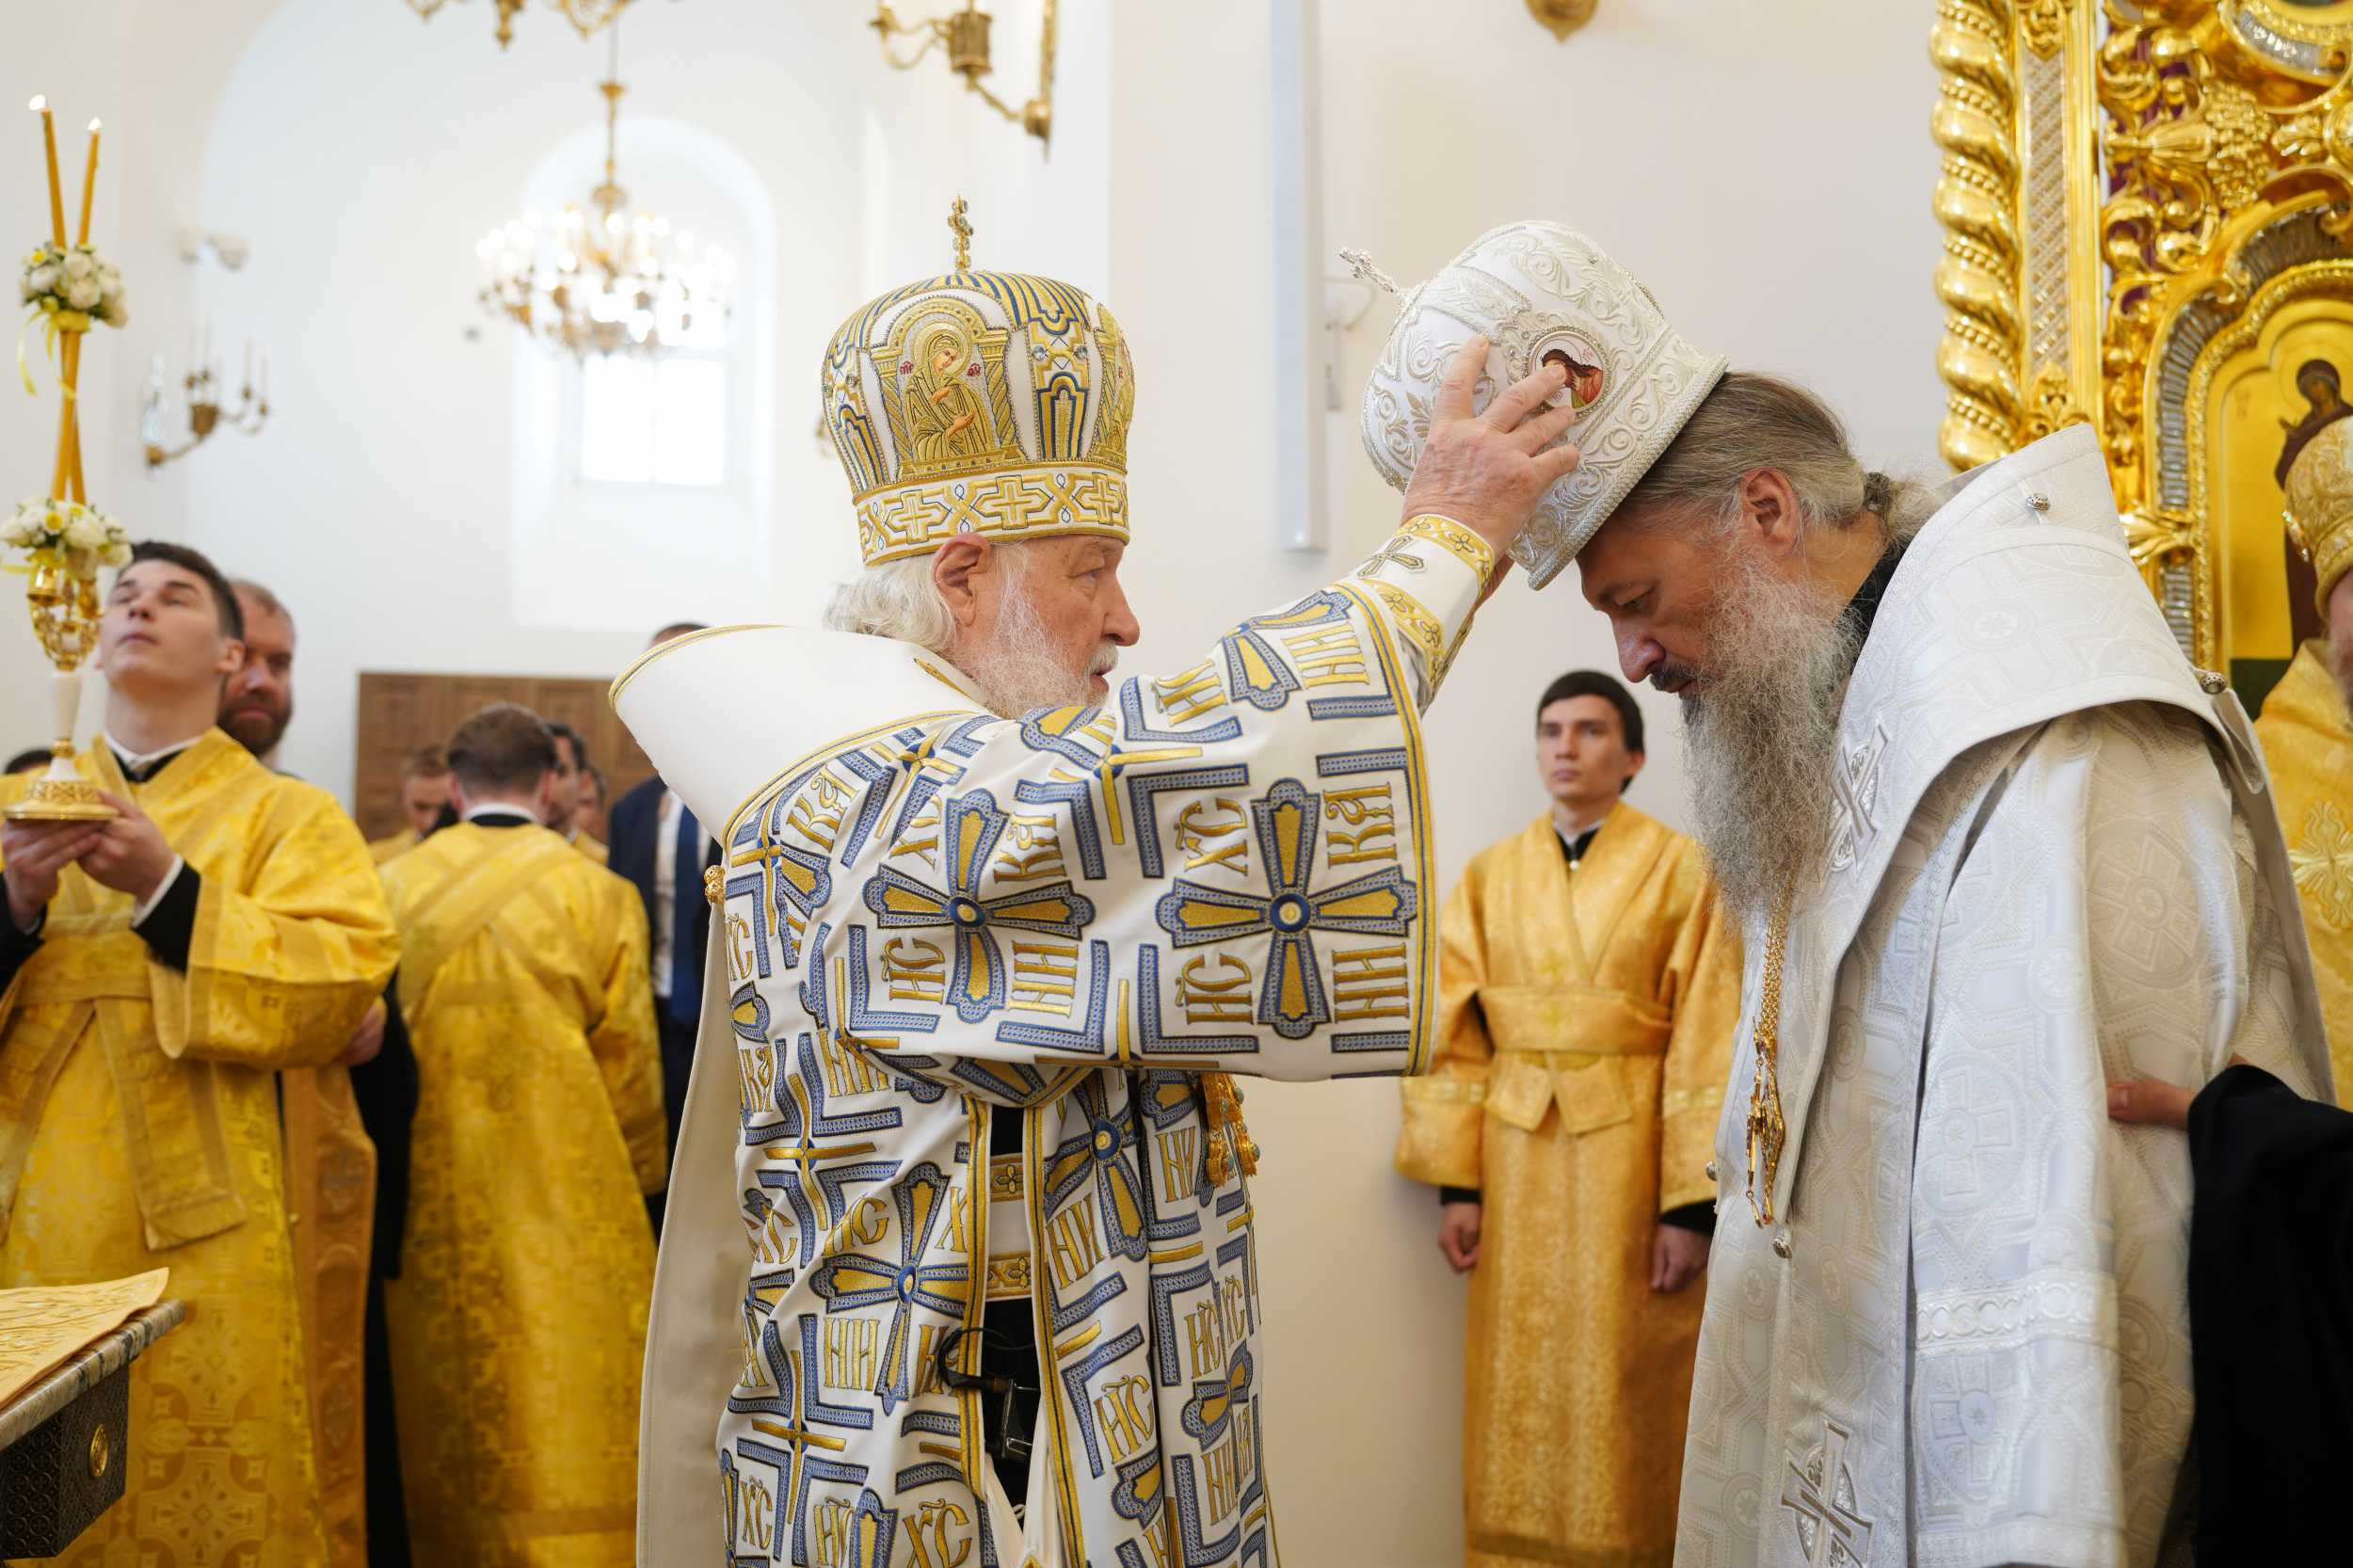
<point x="158" y="970"/>
<point x="423" y="793"/>
<point x="1588" y="990"/>
<point x="518" y="1319"/>
<point x="566" y="783"/>
<point x="588" y="816"/>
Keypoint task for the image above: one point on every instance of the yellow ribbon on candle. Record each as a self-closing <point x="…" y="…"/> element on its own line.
<point x="52" y="321"/>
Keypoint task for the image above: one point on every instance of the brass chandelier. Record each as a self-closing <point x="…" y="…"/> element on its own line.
<point x="603" y="279"/>
<point x="586" y="15"/>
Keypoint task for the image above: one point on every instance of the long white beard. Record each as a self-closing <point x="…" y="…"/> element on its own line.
<point x="1018" y="672"/>
<point x="1763" y="730"/>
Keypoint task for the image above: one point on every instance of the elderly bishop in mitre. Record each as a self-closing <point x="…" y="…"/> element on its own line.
<point x="1996" y="845"/>
<point x="958" y="1265"/>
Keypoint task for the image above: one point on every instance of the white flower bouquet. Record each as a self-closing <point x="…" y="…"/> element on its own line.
<point x="68" y="534"/>
<point x="73" y="286"/>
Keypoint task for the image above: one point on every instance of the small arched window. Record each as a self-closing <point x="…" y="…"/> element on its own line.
<point x="654" y="461"/>
<point x="657" y="421"/>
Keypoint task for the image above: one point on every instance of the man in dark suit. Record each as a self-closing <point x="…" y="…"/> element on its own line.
<point x="658" y="845"/>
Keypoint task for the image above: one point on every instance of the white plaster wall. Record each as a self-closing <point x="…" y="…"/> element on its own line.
<point x="1766" y="169"/>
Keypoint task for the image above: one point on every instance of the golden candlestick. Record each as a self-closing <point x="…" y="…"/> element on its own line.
<point x="68" y="540"/>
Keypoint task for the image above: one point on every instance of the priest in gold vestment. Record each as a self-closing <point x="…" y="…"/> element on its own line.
<point x="2306" y="732"/>
<point x="156" y="972"/>
<point x="518" y="1319"/>
<point x="1589" y="993"/>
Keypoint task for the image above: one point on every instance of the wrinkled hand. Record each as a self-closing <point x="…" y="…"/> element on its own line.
<point x="1676" y="1257"/>
<point x="37" y="854"/>
<point x="366" y="1040"/>
<point x="131" y="854"/>
<point x="1458" y="1235"/>
<point x="1487" y="471"/>
<point x="2147" y="1102"/>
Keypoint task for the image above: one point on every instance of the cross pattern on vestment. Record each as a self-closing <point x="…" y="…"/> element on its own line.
<point x="1821" y="1494"/>
<point x="1394" y="553"/>
<point x="1292" y="996"/>
<point x="790" y="1418"/>
<point x="970" y="825"/>
<point x="1103" y="1149"/>
<point x="801" y="1098"/>
<point x="1060" y="732"/>
<point x="1854" y="788"/>
<point x="2323" y="864"/>
<point x="850" y="1281"/>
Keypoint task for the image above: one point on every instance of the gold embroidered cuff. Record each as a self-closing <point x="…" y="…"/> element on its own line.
<point x="1416" y="625"/>
<point x="1456" y="540"/>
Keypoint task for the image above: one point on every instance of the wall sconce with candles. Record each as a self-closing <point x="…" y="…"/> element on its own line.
<point x="206" y="413"/>
<point x="964" y="35"/>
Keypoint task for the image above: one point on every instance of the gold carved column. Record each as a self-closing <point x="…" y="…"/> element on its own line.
<point x="2146" y="210"/>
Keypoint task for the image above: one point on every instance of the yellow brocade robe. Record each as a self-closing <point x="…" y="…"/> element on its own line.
<point x="594" y="849"/>
<point x="139" y="1128"/>
<point x="1585" y="1025"/>
<point x="518" y="1320"/>
<point x="399" y="843"/>
<point x="2308" y="743"/>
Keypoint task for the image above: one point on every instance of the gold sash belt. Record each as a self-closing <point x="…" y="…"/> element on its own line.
<point x="1552" y="1048"/>
<point x="1575" y="1020"/>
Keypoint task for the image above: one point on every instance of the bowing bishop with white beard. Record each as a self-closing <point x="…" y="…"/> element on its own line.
<point x="1995" y="844"/>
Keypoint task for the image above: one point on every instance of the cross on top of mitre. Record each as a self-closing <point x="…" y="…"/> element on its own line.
<point x="961" y="227"/>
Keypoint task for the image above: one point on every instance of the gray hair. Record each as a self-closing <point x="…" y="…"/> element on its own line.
<point x="1752" y="422"/>
<point x="898" y="599"/>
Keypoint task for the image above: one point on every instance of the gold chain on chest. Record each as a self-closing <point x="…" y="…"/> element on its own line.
<point x="1765" y="1128"/>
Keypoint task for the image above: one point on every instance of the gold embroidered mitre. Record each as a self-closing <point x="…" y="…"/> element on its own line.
<point x="2320" y="505"/>
<point x="981" y="403"/>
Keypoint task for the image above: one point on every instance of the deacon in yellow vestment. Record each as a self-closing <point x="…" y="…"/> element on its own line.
<point x="139" y="1128"/>
<point x="2307" y="738"/>
<point x="518" y="1319"/>
<point x="1584" y="1036"/>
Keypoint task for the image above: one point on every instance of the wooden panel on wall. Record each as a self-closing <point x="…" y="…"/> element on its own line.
<point x="399" y="713"/>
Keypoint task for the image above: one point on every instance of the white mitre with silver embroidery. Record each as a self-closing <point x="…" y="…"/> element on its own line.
<point x="1541" y="292"/>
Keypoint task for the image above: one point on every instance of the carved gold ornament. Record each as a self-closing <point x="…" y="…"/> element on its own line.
<point x="2145" y="206"/>
<point x="1562" y="16"/>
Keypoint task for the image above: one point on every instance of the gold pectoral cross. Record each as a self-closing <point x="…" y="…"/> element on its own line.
<point x="1766" y="1127"/>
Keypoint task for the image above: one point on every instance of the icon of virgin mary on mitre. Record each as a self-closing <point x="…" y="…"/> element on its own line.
<point x="1542" y="294"/>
